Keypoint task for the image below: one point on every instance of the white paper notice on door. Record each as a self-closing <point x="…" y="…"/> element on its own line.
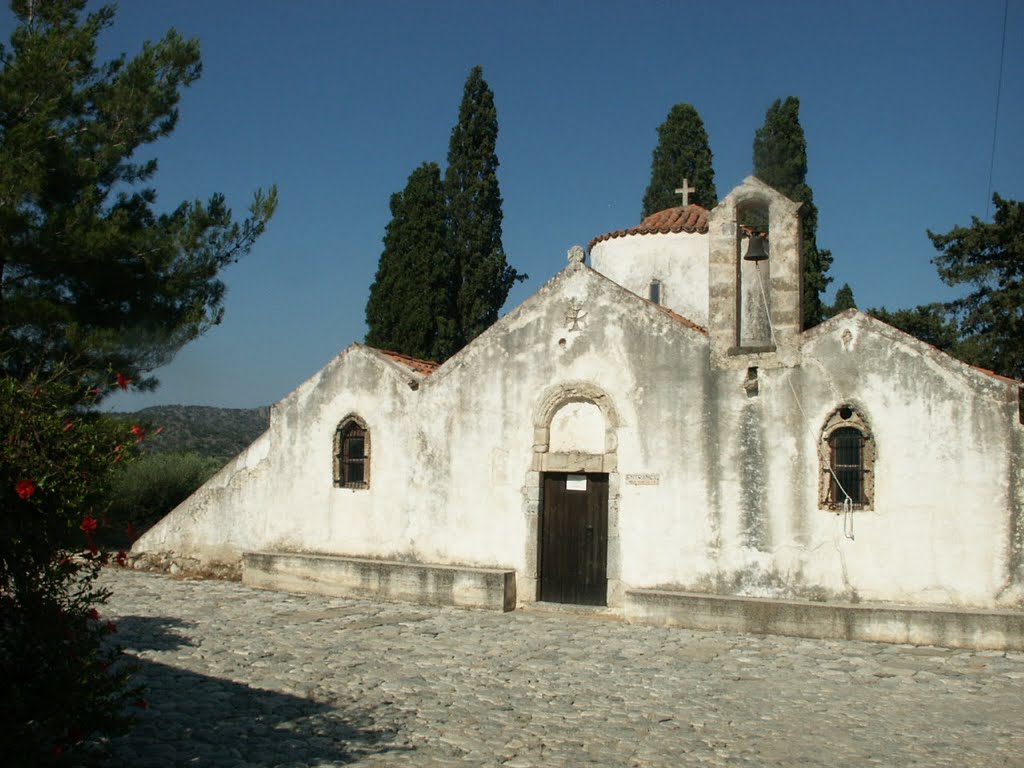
<point x="575" y="482"/>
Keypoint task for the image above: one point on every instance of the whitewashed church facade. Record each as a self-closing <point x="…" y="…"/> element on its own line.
<point x="653" y="425"/>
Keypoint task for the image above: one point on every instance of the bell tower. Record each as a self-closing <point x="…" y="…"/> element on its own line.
<point x="754" y="284"/>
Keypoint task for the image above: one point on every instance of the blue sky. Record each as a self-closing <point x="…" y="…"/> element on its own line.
<point x="337" y="102"/>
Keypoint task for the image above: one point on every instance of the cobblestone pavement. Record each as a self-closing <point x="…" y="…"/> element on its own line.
<point x="240" y="677"/>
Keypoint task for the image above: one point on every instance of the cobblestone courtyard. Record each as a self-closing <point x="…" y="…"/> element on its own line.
<point x="240" y="677"/>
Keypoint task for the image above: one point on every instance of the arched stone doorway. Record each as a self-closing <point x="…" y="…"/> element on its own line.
<point x="571" y="499"/>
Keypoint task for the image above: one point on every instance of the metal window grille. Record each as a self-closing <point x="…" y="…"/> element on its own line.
<point x="847" y="449"/>
<point x="353" y="456"/>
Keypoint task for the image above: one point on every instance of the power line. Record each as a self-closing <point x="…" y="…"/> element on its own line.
<point x="995" y="118"/>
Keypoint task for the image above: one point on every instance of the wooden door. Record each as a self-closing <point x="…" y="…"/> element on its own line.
<point x="574" y="539"/>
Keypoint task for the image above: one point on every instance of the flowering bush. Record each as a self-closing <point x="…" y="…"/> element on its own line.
<point x="61" y="680"/>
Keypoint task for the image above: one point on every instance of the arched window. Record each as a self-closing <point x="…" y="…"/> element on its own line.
<point x="847" y="461"/>
<point x="352" y="454"/>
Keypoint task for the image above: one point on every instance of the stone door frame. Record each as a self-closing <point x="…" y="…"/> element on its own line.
<point x="543" y="460"/>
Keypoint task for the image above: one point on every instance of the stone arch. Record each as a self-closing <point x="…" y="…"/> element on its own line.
<point x="550" y="404"/>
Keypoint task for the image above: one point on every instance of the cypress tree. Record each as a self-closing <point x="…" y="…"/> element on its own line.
<point x="682" y="153"/>
<point x="481" y="276"/>
<point x="844" y="300"/>
<point x="780" y="160"/>
<point x="409" y="300"/>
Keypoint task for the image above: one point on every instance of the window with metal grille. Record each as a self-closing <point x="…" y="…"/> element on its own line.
<point x="847" y="459"/>
<point x="352" y="455"/>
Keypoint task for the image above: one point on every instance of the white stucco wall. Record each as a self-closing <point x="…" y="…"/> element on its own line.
<point x="679" y="260"/>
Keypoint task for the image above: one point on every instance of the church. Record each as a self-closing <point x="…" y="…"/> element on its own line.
<point x="652" y="434"/>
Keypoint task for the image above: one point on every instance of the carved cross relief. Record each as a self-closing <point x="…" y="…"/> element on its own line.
<point x="574" y="315"/>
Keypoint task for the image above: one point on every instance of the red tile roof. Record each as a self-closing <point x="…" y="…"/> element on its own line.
<point x="692" y="218"/>
<point x="424" y="367"/>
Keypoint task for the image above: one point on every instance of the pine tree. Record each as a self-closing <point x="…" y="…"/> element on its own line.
<point x="844" y="300"/>
<point x="92" y="277"/>
<point x="985" y="327"/>
<point x="987" y="257"/>
<point x="482" y="276"/>
<point x="931" y="323"/>
<point x="682" y="153"/>
<point x="780" y="160"/>
<point x="409" y="305"/>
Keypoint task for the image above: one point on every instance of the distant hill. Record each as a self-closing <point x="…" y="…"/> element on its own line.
<point x="220" y="433"/>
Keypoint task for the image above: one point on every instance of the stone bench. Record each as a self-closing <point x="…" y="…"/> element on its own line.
<point x="461" y="586"/>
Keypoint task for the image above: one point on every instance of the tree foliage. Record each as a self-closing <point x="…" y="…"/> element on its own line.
<point x="92" y="272"/>
<point x="410" y="304"/>
<point x="482" y="277"/>
<point x="988" y="258"/>
<point x="780" y="160"/>
<point x="682" y="153"/>
<point x="147" y="489"/>
<point x="930" y="323"/>
<point x="986" y="326"/>
<point x="844" y="300"/>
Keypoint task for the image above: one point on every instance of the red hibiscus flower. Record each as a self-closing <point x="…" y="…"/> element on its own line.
<point x="89" y="524"/>
<point x="93" y="614"/>
<point x="68" y="425"/>
<point x="25" y="488"/>
<point x="122" y="381"/>
<point x="137" y="430"/>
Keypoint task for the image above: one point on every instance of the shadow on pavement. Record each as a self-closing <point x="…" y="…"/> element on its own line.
<point x="196" y="719"/>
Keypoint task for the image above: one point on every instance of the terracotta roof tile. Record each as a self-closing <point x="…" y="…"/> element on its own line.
<point x="424" y="367"/>
<point x="692" y="218"/>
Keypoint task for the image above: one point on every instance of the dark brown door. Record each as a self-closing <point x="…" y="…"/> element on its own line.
<point x="574" y="539"/>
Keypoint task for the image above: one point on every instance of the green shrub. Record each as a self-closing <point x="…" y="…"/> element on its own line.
<point x="147" y="489"/>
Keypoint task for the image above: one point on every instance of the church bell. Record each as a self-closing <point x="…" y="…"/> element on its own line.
<point x="756" y="250"/>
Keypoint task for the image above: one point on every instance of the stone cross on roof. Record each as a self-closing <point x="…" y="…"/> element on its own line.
<point x="685" y="191"/>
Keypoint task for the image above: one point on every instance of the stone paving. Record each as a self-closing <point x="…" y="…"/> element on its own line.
<point x="240" y="677"/>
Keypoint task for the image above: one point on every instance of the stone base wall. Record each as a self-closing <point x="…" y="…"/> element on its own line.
<point x="946" y="627"/>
